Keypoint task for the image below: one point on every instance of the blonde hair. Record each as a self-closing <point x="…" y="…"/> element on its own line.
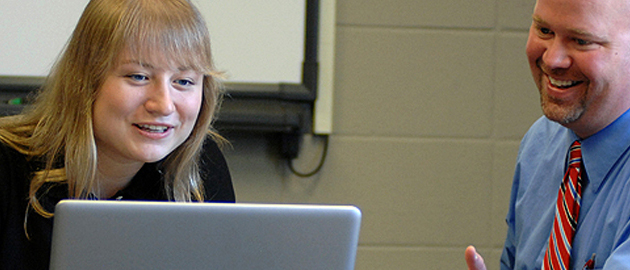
<point x="57" y="127"/>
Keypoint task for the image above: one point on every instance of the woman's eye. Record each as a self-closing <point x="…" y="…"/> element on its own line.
<point x="137" y="77"/>
<point x="184" y="82"/>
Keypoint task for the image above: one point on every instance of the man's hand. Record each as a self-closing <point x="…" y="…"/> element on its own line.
<point x="474" y="260"/>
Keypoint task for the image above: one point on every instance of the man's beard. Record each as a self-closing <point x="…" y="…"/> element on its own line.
<point x="560" y="111"/>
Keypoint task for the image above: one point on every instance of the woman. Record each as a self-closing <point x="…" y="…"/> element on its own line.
<point x="124" y="114"/>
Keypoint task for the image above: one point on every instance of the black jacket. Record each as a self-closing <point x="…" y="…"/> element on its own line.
<point x="19" y="252"/>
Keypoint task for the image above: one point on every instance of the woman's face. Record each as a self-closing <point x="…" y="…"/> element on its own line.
<point x="144" y="111"/>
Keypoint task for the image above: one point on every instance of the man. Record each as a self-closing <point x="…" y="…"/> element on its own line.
<point x="579" y="55"/>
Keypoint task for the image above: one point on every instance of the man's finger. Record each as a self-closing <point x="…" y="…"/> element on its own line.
<point x="474" y="260"/>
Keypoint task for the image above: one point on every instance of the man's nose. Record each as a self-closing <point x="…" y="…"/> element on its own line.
<point x="556" y="55"/>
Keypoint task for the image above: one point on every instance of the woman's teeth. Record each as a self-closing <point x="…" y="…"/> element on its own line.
<point x="152" y="128"/>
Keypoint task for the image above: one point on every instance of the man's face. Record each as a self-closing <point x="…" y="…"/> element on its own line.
<point x="579" y="55"/>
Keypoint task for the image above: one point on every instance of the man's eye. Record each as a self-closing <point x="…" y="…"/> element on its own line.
<point x="545" y="31"/>
<point x="582" y="42"/>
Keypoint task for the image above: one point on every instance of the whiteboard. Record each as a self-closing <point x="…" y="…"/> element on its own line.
<point x="254" y="41"/>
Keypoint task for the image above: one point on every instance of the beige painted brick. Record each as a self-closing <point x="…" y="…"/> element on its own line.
<point x="444" y="13"/>
<point x="412" y="192"/>
<point x="409" y="258"/>
<point x="515" y="14"/>
<point x="413" y="83"/>
<point x="516" y="96"/>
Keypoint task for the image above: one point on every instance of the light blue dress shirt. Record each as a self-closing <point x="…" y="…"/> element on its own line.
<point x="604" y="219"/>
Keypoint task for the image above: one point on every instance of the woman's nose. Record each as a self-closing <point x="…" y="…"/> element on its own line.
<point x="159" y="100"/>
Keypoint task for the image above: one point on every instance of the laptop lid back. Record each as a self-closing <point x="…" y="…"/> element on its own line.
<point x="168" y="235"/>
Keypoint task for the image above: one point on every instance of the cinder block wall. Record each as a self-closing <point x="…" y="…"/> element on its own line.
<point x="431" y="100"/>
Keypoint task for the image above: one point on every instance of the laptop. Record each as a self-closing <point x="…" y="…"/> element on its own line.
<point x="170" y="235"/>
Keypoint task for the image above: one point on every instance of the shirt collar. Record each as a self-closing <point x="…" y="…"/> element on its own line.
<point x="603" y="149"/>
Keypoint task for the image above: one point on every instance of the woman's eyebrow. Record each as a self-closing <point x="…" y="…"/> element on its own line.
<point x="184" y="68"/>
<point x="137" y="62"/>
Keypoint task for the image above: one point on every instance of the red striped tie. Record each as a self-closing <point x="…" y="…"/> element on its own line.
<point x="558" y="254"/>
